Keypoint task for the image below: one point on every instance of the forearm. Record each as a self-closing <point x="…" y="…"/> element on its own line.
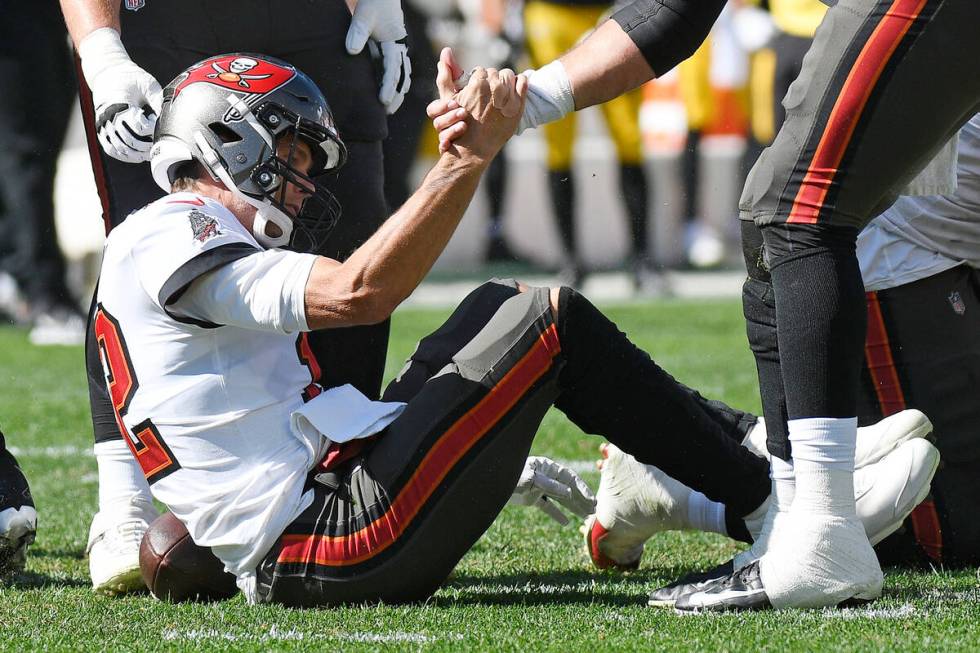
<point x="85" y="16"/>
<point x="604" y="66"/>
<point x="641" y="41"/>
<point x="385" y="270"/>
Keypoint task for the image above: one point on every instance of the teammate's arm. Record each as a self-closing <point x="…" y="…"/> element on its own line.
<point x="127" y="99"/>
<point x="85" y="16"/>
<point x="641" y="41"/>
<point x="369" y="285"/>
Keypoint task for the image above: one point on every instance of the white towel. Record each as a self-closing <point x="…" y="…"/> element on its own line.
<point x="342" y="414"/>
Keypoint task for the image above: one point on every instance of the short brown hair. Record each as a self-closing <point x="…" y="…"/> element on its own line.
<point x="185" y="175"/>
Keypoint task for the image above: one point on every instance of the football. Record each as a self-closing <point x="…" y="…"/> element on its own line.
<point x="176" y="569"/>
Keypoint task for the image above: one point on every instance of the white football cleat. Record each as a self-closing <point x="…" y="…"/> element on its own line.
<point x="634" y="502"/>
<point x="886" y="492"/>
<point x="873" y="442"/>
<point x="818" y="561"/>
<point x="114" y="547"/>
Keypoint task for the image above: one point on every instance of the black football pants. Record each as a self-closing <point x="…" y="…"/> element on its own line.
<point x="922" y="351"/>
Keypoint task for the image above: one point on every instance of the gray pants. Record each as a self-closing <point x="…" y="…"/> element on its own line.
<point x="885" y="85"/>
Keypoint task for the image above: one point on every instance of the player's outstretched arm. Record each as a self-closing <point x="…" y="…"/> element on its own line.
<point x="642" y="40"/>
<point x="368" y="286"/>
<point x="127" y="99"/>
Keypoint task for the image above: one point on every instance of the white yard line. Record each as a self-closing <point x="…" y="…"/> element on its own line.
<point x="64" y="451"/>
<point x="73" y="451"/>
<point x="903" y="611"/>
<point x="274" y="634"/>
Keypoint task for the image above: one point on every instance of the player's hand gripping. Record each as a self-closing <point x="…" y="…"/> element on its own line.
<point x="544" y="482"/>
<point x="127" y="99"/>
<point x="448" y="118"/>
<point x="384" y="22"/>
<point x="488" y="107"/>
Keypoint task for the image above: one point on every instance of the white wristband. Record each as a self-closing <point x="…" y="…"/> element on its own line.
<point x="549" y="96"/>
<point x="99" y="50"/>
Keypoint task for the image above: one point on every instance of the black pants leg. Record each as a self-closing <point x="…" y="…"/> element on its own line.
<point x="35" y="106"/>
<point x="922" y="352"/>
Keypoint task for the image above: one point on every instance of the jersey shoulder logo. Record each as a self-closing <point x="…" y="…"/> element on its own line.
<point x="203" y="225"/>
<point x="249" y="75"/>
<point x="956" y="301"/>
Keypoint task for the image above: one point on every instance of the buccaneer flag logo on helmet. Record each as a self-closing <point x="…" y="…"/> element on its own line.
<point x="251" y="76"/>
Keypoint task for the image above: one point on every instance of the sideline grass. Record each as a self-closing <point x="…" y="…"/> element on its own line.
<point x="526" y="585"/>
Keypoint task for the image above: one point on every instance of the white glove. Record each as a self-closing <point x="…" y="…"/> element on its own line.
<point x="544" y="481"/>
<point x="381" y="20"/>
<point x="384" y="22"/>
<point x="397" y="77"/>
<point x="127" y="99"/>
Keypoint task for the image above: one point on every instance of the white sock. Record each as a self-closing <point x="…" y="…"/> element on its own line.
<point x="703" y="514"/>
<point x="782" y="474"/>
<point x="121" y="481"/>
<point x="823" y="456"/>
<point x="819" y="553"/>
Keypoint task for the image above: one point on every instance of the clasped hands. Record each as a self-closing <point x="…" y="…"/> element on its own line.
<point x="478" y="112"/>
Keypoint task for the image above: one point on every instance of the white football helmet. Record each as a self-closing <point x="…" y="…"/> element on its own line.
<point x="226" y="113"/>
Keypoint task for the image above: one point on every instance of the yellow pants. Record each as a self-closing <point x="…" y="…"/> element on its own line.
<point x="552" y="30"/>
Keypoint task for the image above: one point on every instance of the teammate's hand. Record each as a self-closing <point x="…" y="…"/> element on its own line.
<point x="446" y="115"/>
<point x="493" y="101"/>
<point x="127" y="99"/>
<point x="381" y="20"/>
<point x="544" y="482"/>
<point x="397" y="78"/>
<point x="384" y="22"/>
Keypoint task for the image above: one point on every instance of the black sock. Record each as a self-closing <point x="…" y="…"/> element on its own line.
<point x="495" y="180"/>
<point x="633" y="183"/>
<point x="612" y="388"/>
<point x="821" y="317"/>
<point x="562" y="188"/>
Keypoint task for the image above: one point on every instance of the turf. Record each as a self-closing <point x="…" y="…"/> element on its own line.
<point x="526" y="585"/>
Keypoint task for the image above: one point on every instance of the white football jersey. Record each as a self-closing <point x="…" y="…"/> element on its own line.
<point x="204" y="407"/>
<point x="918" y="237"/>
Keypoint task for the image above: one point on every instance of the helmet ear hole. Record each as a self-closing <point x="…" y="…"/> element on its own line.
<point x="225" y="134"/>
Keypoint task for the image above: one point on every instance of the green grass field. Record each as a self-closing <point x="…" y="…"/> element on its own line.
<point x="527" y="585"/>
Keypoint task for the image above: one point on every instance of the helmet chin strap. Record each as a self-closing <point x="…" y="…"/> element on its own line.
<point x="265" y="214"/>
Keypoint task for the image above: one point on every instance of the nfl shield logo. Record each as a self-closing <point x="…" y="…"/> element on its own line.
<point x="956" y="301"/>
<point x="135" y="5"/>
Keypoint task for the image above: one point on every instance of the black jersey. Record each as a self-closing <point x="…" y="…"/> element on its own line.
<point x="164" y="37"/>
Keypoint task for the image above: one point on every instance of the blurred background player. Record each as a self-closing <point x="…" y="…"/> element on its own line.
<point x="553" y="27"/>
<point x="35" y="106"/>
<point x="120" y="98"/>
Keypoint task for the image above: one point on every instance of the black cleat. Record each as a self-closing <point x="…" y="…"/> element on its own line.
<point x="18" y="519"/>
<point x="665" y="597"/>
<point x="740" y="591"/>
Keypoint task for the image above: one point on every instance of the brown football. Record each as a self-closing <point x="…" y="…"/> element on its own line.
<point x="176" y="569"/>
